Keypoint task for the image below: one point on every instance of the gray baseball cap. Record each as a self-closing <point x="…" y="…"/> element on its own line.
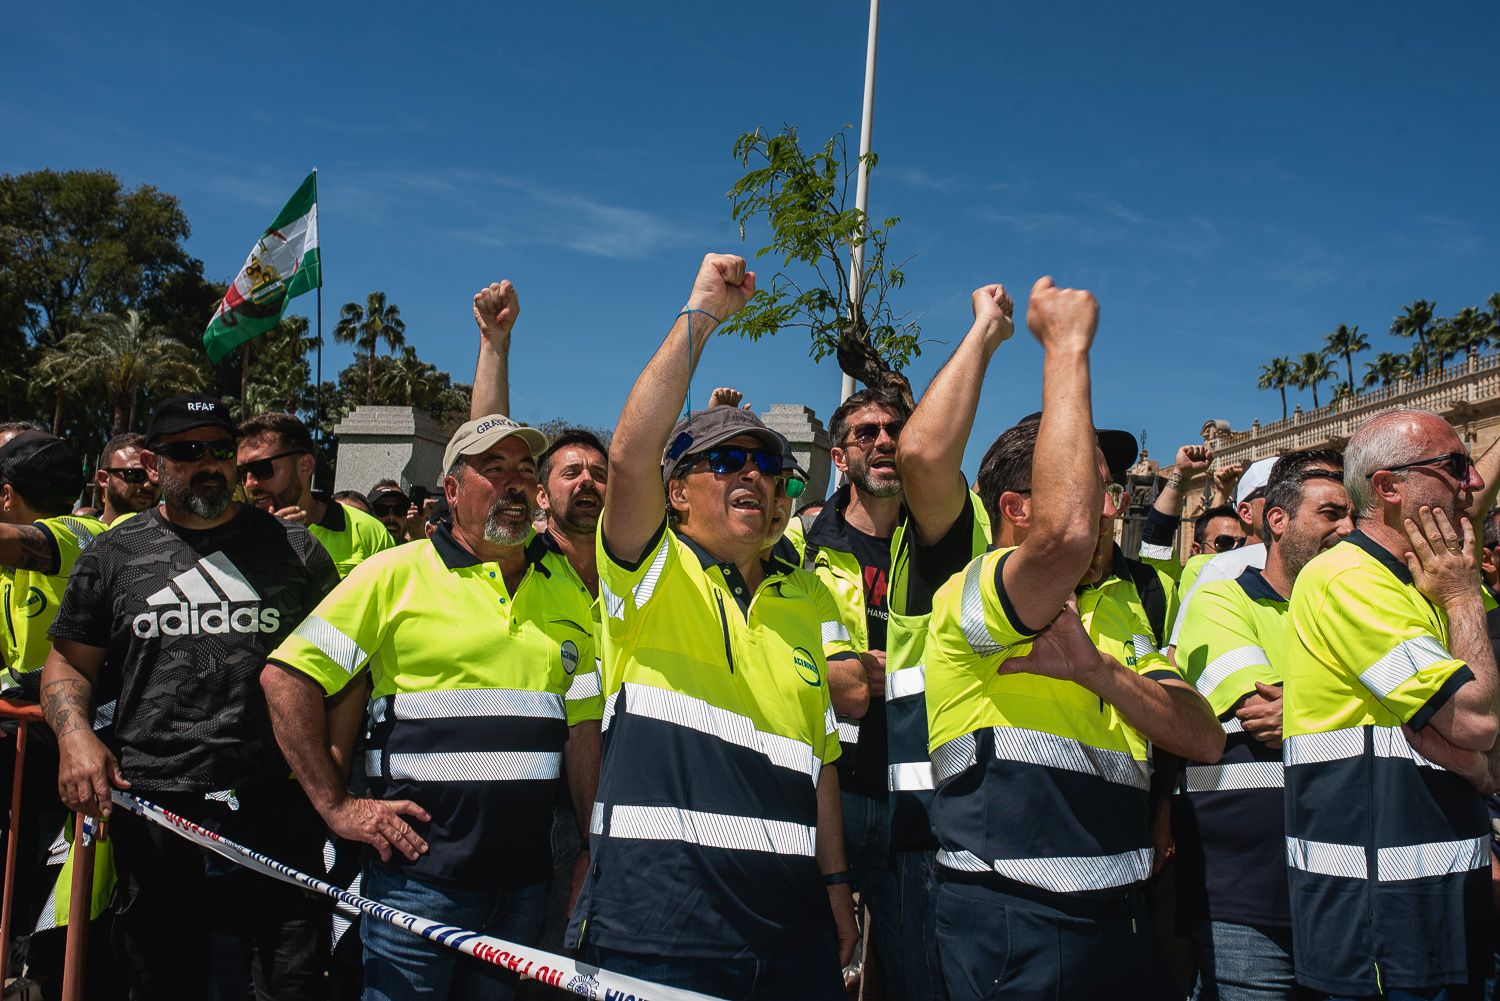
<point x="703" y="429"/>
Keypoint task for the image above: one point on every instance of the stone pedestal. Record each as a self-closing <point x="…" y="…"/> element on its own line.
<point x="378" y="443"/>
<point x="810" y="443"/>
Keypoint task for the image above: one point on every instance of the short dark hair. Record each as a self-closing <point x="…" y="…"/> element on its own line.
<point x="1200" y="523"/>
<point x="569" y="437"/>
<point x="353" y="498"/>
<point x="120" y="441"/>
<point x="1292" y="471"/>
<point x="1006" y="466"/>
<point x="838" y="424"/>
<point x="19" y="426"/>
<point x="287" y="427"/>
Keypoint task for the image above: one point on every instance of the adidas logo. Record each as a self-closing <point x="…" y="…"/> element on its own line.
<point x="213" y="598"/>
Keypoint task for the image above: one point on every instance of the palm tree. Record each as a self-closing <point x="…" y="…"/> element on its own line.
<point x="1277" y="374"/>
<point x="1387" y="368"/>
<point x="1443" y="342"/>
<point x="1473" y="329"/>
<point x="1415" y="319"/>
<point x="366" y="328"/>
<point x="1346" y="342"/>
<point x="119" y="358"/>
<point x="410" y="380"/>
<point x="1312" y="368"/>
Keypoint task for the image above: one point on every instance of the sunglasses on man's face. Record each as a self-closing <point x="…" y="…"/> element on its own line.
<point x="263" y="469"/>
<point x="732" y="460"/>
<point x="222" y="450"/>
<point x="135" y="476"/>
<point x="866" y="435"/>
<point x="1458" y="465"/>
<point x="1225" y="543"/>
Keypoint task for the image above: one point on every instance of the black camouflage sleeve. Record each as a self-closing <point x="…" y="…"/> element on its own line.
<point x="84" y="615"/>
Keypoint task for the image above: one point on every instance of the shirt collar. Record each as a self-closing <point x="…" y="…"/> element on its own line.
<point x="829" y="529"/>
<point x="1382" y="555"/>
<point x="1254" y="583"/>
<point x="333" y="512"/>
<point x="456" y="557"/>
<point x="706" y="559"/>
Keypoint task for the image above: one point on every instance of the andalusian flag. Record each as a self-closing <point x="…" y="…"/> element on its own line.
<point x="282" y="265"/>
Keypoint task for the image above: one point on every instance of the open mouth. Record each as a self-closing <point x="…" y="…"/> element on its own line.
<point x="587" y="502"/>
<point x="746" y="502"/>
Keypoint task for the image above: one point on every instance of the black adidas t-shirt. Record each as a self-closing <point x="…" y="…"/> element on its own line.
<point x="187" y="619"/>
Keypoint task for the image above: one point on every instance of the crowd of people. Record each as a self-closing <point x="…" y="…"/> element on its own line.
<point x="646" y="704"/>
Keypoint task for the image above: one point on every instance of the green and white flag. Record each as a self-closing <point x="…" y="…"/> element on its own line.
<point x="282" y="265"/>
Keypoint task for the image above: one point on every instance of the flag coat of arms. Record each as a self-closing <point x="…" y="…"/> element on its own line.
<point x="282" y="265"/>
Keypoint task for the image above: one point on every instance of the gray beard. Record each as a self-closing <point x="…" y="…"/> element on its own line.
<point x="500" y="533"/>
<point x="207" y="500"/>
<point x="874" y="488"/>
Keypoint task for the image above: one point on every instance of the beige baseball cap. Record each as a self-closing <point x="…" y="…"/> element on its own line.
<point x="485" y="433"/>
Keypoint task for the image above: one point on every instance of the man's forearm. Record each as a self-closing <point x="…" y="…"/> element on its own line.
<point x="1169" y="501"/>
<point x="1172" y="717"/>
<point x="67" y="700"/>
<point x="829" y="846"/>
<point x="1470" y="642"/>
<point x="491" y="393"/>
<point x="581" y="758"/>
<point x="298" y="719"/>
<point x="1065" y="490"/>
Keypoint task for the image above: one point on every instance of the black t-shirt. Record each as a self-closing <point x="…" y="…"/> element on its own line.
<point x="187" y="619"/>
<point x="931" y="566"/>
<point x="865" y="771"/>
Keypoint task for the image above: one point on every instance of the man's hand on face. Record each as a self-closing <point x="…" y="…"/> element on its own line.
<point x="1191" y="458"/>
<point x="1442" y="562"/>
<point x="722" y="286"/>
<point x="495" y="310"/>
<point x="1062" y="319"/>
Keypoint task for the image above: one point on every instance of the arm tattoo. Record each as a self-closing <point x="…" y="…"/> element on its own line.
<point x="68" y="706"/>
<point x="1174" y="480"/>
<point x="37" y="550"/>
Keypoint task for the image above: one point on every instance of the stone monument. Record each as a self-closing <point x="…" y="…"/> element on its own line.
<point x="810" y="443"/>
<point x="377" y="443"/>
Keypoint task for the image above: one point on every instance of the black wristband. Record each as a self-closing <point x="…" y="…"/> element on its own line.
<point x="838" y="878"/>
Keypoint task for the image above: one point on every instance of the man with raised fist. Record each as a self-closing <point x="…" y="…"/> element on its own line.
<point x="718" y="859"/>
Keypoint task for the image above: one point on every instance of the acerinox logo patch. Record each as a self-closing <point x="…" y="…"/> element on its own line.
<point x="807" y="666"/>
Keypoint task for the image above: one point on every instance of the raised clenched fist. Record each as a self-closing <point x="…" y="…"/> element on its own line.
<point x="1062" y="318"/>
<point x="495" y="310"/>
<point x="992" y="307"/>
<point x="1192" y="457"/>
<point x="722" y="287"/>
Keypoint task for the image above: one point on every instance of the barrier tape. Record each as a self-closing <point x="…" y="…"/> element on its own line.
<point x="557" y="971"/>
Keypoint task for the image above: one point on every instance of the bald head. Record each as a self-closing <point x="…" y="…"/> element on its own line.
<point x="1397" y="438"/>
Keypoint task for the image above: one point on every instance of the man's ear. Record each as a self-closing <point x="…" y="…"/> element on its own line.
<point x="1015" y="508"/>
<point x="840" y="459"/>
<point x="677" y="495"/>
<point x="1277" y="519"/>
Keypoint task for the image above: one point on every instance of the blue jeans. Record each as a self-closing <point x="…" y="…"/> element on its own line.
<point x="809" y="973"/>
<point x="1437" y="994"/>
<point x="400" y="966"/>
<point x="917" y="874"/>
<point x="1239" y="962"/>
<point x="867" y="842"/>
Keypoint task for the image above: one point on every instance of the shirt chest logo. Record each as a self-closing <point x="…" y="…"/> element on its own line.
<point x="209" y="598"/>
<point x="807" y="666"/>
<point x="569" y="656"/>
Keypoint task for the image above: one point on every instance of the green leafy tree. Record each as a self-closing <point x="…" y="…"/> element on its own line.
<point x="1346" y="342"/>
<point x="74" y="244"/>
<point x="1387" y="368"/>
<point x="1443" y="343"/>
<point x="803" y="197"/>
<point x="120" y="358"/>
<point x="409" y="381"/>
<point x="1277" y="374"/>
<point x="1313" y="367"/>
<point x="367" y="327"/>
<point x="1415" y="321"/>
<point x="1473" y="329"/>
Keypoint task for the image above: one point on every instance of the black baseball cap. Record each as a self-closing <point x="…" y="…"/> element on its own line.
<point x="187" y="411"/>
<point x="41" y="465"/>
<point x="1119" y="447"/>
<point x="703" y="429"/>
<point x="384" y="490"/>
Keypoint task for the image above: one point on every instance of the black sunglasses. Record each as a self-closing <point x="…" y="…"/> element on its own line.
<point x="135" y="476"/>
<point x="1226" y="543"/>
<point x="263" y="469"/>
<point x="732" y="460"/>
<point x="221" y="449"/>
<point x="1457" y="463"/>
<point x="867" y="434"/>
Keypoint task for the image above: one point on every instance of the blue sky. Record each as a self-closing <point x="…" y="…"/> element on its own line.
<point x="1231" y="182"/>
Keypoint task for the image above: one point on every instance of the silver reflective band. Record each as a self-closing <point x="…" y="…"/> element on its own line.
<point x="372" y="763"/>
<point x="596" y="819"/>
<point x="732" y="728"/>
<point x="907" y="681"/>
<point x="1402" y="664"/>
<point x="955" y="756"/>
<point x="1074" y="874"/>
<point x="1226" y="664"/>
<point x="470" y="702"/>
<point x="1037" y="747"/>
<point x="834" y="632"/>
<point x="848" y="732"/>
<point x="1326" y="859"/>
<point x="711" y="830"/>
<point x="1233" y="725"/>
<point x="585" y="686"/>
<point x="331" y="642"/>
<point x="971" y="612"/>
<point x="1143" y="645"/>
<point x="614" y="605"/>
<point x="1393" y="865"/>
<point x="910" y="776"/>
<point x="473" y="766"/>
<point x="1235" y="775"/>
<point x="643" y="591"/>
<point x="1349" y="742"/>
<point x="1152" y="552"/>
<point x="609" y="710"/>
